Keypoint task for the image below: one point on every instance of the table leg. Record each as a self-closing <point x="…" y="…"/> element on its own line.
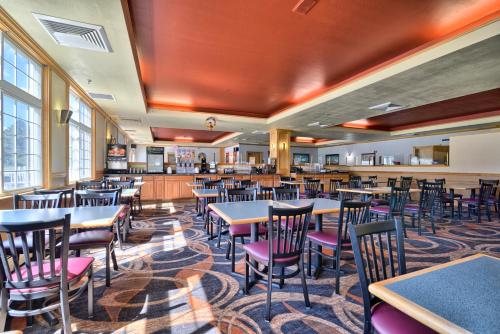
<point x="317" y="258"/>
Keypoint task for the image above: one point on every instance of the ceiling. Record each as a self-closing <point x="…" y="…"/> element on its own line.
<point x="256" y="65"/>
<point x="186" y="135"/>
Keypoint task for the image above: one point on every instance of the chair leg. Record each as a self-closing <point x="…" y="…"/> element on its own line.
<point x="219" y="232"/>
<point x="228" y="248"/>
<point x="282" y="280"/>
<point x="63" y="295"/>
<point x="108" y="269"/>
<point x="90" y="291"/>
<point x="247" y="275"/>
<point x="3" y="309"/>
<point x="419" y="225"/>
<point x="113" y="258"/>
<point x="233" y="254"/>
<point x="337" y="270"/>
<point x="304" y="284"/>
<point x="269" y="291"/>
<point x="488" y="212"/>
<point x="309" y="259"/>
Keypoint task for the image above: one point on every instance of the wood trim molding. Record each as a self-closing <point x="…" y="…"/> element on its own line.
<point x="47" y="126"/>
<point x="94" y="143"/>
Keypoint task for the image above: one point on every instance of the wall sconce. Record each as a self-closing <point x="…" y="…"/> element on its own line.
<point x="64" y="116"/>
<point x="283" y="146"/>
<point x="273" y="146"/>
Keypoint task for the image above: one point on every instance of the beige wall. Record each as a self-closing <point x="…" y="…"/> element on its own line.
<point x="59" y="100"/>
<point x="100" y="145"/>
<point x="475" y="153"/>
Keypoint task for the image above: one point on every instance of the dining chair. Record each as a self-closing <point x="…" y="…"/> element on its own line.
<point x="479" y="202"/>
<point x="45" y="278"/>
<point x="66" y="200"/>
<point x="39" y="201"/>
<point x="350" y="213"/>
<point x="378" y="256"/>
<point x="405" y="181"/>
<point x="290" y="179"/>
<point x="229" y="181"/>
<point x="333" y="193"/>
<point x="311" y="188"/>
<point x="397" y="201"/>
<point x="127" y="214"/>
<point x="98" y="238"/>
<point x="344" y="196"/>
<point x="373" y="179"/>
<point x="285" y="194"/>
<point x="493" y="201"/>
<point x="428" y="200"/>
<point x="391" y="181"/>
<point x="90" y="185"/>
<point x="211" y="217"/>
<point x="200" y="180"/>
<point x="265" y="193"/>
<point x="240" y="230"/>
<point x="283" y="249"/>
<point x="447" y="198"/>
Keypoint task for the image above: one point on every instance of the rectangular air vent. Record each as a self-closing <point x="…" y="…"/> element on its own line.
<point x="388" y="106"/>
<point x="100" y="96"/>
<point x="75" y="34"/>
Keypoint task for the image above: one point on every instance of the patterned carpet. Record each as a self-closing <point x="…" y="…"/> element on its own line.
<point x="172" y="280"/>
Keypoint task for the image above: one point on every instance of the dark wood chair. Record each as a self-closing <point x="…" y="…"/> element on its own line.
<point x="240" y="230"/>
<point x="90" y="185"/>
<point x="373" y="179"/>
<point x="288" y="178"/>
<point x="447" y="198"/>
<point x="312" y="188"/>
<point x="66" y="195"/>
<point x="53" y="281"/>
<point x="38" y="201"/>
<point x="405" y="181"/>
<point x="391" y="182"/>
<point x="350" y="213"/>
<point x="397" y="202"/>
<point x="200" y="180"/>
<point x="283" y="249"/>
<point x="377" y="257"/>
<point x="97" y="238"/>
<point x="478" y="203"/>
<point x="285" y="194"/>
<point x="209" y="216"/>
<point x="428" y="200"/>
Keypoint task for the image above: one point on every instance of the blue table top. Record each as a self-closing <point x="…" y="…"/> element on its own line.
<point x="466" y="294"/>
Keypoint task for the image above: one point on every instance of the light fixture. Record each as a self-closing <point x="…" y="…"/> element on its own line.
<point x="65" y="116"/>
<point x="210" y="123"/>
<point x="184" y="139"/>
<point x="388" y="106"/>
<point x="283" y="146"/>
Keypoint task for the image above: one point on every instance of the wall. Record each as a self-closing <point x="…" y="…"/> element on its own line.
<point x="264" y="149"/>
<point x="58" y="139"/>
<point x="475" y="153"/>
<point x="312" y="151"/>
<point x="100" y="144"/>
<point x="140" y="152"/>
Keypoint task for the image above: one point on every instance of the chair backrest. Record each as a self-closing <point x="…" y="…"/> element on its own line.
<point x="391" y="182"/>
<point x="90" y="185"/>
<point x="201" y="179"/>
<point x="98" y="198"/>
<point x="228" y="181"/>
<point x="443" y="181"/>
<point x="23" y="276"/>
<point x="344" y="196"/>
<point x="121" y="184"/>
<point x="285" y="194"/>
<point x="66" y="196"/>
<point x="355" y="183"/>
<point x="376" y="256"/>
<point x="398" y="199"/>
<point x="240" y="195"/>
<point x="216" y="184"/>
<point x="266" y="193"/>
<point x="366" y="184"/>
<point x="372" y="178"/>
<point x="134" y="178"/>
<point x="493" y="182"/>
<point x="420" y="183"/>
<point x="430" y="194"/>
<point x="333" y="185"/>
<point x="351" y="212"/>
<point x="247" y="184"/>
<point x="405" y="181"/>
<point x="288" y="233"/>
<point x="485" y="192"/>
<point x="287" y="178"/>
<point x="354" y="178"/>
<point x="46" y="201"/>
<point x="112" y="178"/>
<point x="312" y="187"/>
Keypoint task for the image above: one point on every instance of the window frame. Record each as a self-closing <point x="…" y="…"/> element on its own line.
<point x="19" y="94"/>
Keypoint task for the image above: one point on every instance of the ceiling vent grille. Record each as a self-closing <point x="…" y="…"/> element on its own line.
<point x="101" y="96"/>
<point x="388" y="106"/>
<point x="75" y="34"/>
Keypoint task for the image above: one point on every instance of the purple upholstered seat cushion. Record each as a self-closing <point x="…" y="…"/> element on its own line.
<point x="388" y="320"/>
<point x="469" y="200"/>
<point x="243" y="230"/>
<point x="88" y="239"/>
<point x="381" y="209"/>
<point x="260" y="251"/>
<point x="379" y="201"/>
<point x="412" y="207"/>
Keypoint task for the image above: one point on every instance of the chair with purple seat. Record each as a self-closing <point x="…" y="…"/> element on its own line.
<point x="49" y="281"/>
<point x="265" y="193"/>
<point x="97" y="238"/>
<point x="429" y="198"/>
<point x="311" y="188"/>
<point x="373" y="247"/>
<point x="333" y="193"/>
<point x="283" y="249"/>
<point x="350" y="213"/>
<point x="210" y="184"/>
<point x="479" y="202"/>
<point x="397" y="202"/>
<point x="285" y="194"/>
<point x="448" y="198"/>
<point x="240" y="230"/>
<point x="493" y="201"/>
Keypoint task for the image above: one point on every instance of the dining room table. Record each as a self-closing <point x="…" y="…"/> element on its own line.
<point x="460" y="296"/>
<point x="255" y="212"/>
<point x="372" y="191"/>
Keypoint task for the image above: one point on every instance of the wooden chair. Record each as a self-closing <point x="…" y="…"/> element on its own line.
<point x="344" y="196"/>
<point x="98" y="238"/>
<point x="429" y="197"/>
<point x="288" y="178"/>
<point x="493" y="201"/>
<point x="350" y="213"/>
<point x="66" y="196"/>
<point x="39" y="201"/>
<point x="285" y="194"/>
<point x="477" y="203"/>
<point x="391" y="182"/>
<point x="377" y="258"/>
<point x="240" y="230"/>
<point x="54" y="281"/>
<point x="283" y="249"/>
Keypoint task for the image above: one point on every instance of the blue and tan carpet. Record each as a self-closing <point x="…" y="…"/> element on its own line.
<point x="172" y="280"/>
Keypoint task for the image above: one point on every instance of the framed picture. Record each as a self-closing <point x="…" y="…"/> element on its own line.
<point x="368" y="159"/>
<point x="301" y="158"/>
<point x="332" y="159"/>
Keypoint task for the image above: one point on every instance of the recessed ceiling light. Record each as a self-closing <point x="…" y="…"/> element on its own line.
<point x="259" y="132"/>
<point x="388" y="106"/>
<point x="314" y="124"/>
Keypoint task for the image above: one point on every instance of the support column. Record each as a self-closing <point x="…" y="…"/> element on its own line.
<point x="279" y="149"/>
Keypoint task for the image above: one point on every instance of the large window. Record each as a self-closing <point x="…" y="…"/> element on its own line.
<point x="21" y="138"/>
<point x="80" y="139"/>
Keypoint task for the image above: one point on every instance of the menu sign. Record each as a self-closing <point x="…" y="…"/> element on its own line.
<point x="117" y="151"/>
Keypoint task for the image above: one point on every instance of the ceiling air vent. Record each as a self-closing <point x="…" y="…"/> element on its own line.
<point x="100" y="96"/>
<point x="388" y="106"/>
<point x="75" y="34"/>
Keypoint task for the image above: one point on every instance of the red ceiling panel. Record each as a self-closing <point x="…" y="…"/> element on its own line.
<point x="186" y="135"/>
<point x="472" y="106"/>
<point x="255" y="58"/>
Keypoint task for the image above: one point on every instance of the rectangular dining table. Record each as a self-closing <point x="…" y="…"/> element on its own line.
<point x="126" y="193"/>
<point x="255" y="212"/>
<point x="461" y="296"/>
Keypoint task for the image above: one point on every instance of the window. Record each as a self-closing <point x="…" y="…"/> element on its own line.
<point x="21" y="138"/>
<point x="80" y="139"/>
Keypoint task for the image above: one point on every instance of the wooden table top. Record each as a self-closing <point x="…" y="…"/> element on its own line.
<point x="257" y="211"/>
<point x="374" y="190"/>
<point x="81" y="217"/>
<point x="125" y="192"/>
<point x="460" y="296"/>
